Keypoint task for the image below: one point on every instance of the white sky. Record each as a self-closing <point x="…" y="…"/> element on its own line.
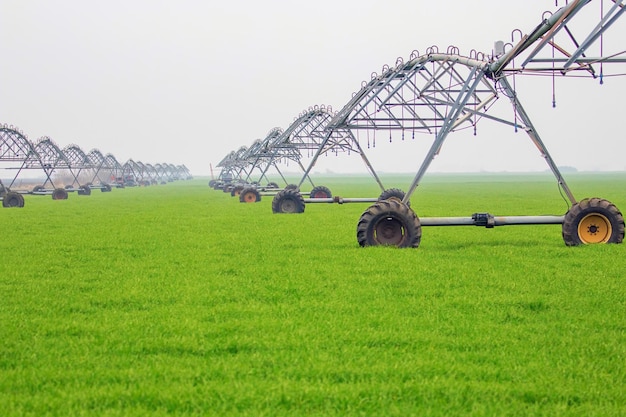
<point x="187" y="81"/>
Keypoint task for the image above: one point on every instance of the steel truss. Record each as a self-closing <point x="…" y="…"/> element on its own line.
<point x="104" y="168"/>
<point x="15" y="148"/>
<point x="310" y="132"/>
<point x="50" y="158"/>
<point x="81" y="166"/>
<point x="233" y="165"/>
<point x="307" y="134"/>
<point x="439" y="93"/>
<point x="258" y="156"/>
<point x="19" y="152"/>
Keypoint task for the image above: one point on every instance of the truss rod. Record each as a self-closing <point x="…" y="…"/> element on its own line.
<point x="446" y="128"/>
<point x="534" y="136"/>
<point x="597" y="31"/>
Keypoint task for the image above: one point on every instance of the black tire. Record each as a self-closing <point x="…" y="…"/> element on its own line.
<point x="249" y="195"/>
<point x="288" y="201"/>
<point x="236" y="191"/>
<point x="12" y="199"/>
<point x="393" y="193"/>
<point x="59" y="194"/>
<point x="321" y="192"/>
<point x="105" y="188"/>
<point x="593" y="220"/>
<point x="272" y="185"/>
<point x="389" y="223"/>
<point x="37" y="188"/>
<point x="84" y="190"/>
<point x="292" y="187"/>
<point x="212" y="183"/>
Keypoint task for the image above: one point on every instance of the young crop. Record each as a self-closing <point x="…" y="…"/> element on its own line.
<point x="180" y="300"/>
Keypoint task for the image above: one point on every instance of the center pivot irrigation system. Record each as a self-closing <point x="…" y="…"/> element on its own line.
<point x="78" y="172"/>
<point x="307" y="137"/>
<point x="438" y="93"/>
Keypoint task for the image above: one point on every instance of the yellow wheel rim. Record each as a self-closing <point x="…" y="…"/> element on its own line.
<point x="594" y="228"/>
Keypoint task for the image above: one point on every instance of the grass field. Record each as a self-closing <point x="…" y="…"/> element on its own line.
<point x="179" y="300"/>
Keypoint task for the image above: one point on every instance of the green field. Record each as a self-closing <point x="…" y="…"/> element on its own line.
<point x="178" y="300"/>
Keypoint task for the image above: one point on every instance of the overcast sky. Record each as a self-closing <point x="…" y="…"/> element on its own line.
<point x="187" y="81"/>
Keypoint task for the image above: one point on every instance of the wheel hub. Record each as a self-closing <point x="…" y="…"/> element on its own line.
<point x="389" y="231"/>
<point x="288" y="206"/>
<point x="595" y="228"/>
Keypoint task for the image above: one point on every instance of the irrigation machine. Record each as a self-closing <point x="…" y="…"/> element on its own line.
<point x="440" y="92"/>
<point x="307" y="138"/>
<point x="78" y="171"/>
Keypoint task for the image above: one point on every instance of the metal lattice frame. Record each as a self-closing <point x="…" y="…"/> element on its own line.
<point x="16" y="148"/>
<point x="17" y="151"/>
<point x="233" y="165"/>
<point x="307" y="133"/>
<point x="151" y="173"/>
<point x="50" y="159"/>
<point x="569" y="41"/>
<point x="104" y="169"/>
<point x="260" y="156"/>
<point x="227" y="164"/>
<point x="181" y="172"/>
<point x="439" y="93"/>
<point x="339" y="140"/>
<point x="78" y="162"/>
<point x="133" y="172"/>
<point x="112" y="163"/>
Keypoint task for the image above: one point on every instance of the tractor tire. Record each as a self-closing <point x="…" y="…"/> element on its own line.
<point x="37" y="188"/>
<point x="249" y="195"/>
<point x="288" y="201"/>
<point x="105" y="188"/>
<point x="292" y="187"/>
<point x="389" y="223"/>
<point x="593" y="220"/>
<point x="59" y="194"/>
<point x="84" y="190"/>
<point x="272" y="185"/>
<point x="321" y="192"/>
<point x="393" y="193"/>
<point x="12" y="199"/>
<point x="236" y="191"/>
